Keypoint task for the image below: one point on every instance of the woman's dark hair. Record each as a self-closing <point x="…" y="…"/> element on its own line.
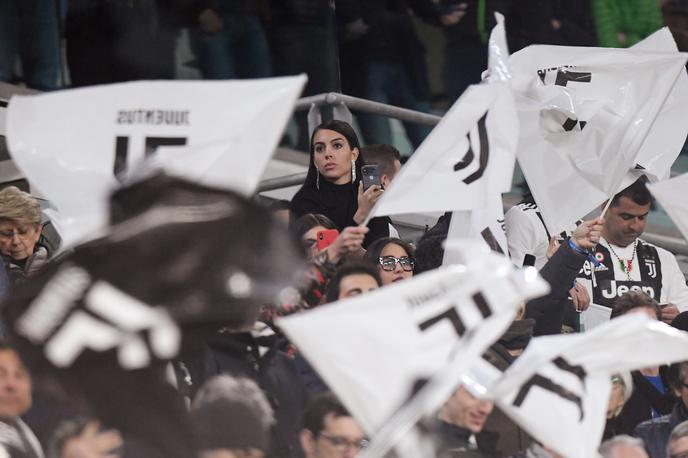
<point x="349" y="134"/>
<point x="308" y="221"/>
<point x="378" y="245"/>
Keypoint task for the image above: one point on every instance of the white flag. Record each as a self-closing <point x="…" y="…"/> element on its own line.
<point x="372" y="349"/>
<point x="467" y="155"/>
<point x="672" y="195"/>
<point x="558" y="389"/>
<point x="485" y="224"/>
<point x="71" y="144"/>
<point x="585" y="115"/>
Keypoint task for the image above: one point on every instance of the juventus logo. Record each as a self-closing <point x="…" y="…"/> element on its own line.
<point x="452" y="315"/>
<point x="549" y="385"/>
<point x="651" y="268"/>
<point x="563" y="77"/>
<point x="470" y="155"/>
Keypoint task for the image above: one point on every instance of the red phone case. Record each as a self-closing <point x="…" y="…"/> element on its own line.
<point x="326" y="238"/>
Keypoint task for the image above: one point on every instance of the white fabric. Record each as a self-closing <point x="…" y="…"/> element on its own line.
<point x="592" y="357"/>
<point x="672" y="195"/>
<point x="526" y="234"/>
<point x="429" y="182"/>
<point x="65" y="142"/>
<point x="620" y="94"/>
<point x="374" y="384"/>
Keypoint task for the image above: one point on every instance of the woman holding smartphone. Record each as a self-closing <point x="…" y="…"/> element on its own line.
<point x="333" y="185"/>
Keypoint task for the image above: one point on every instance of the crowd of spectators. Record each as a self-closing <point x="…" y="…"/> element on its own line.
<point x="248" y="392"/>
<point x="370" y="49"/>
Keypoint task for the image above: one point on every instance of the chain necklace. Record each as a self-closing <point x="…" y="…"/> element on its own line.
<point x="626" y="265"/>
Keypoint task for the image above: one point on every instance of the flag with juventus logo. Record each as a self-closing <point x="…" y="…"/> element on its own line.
<point x="376" y="349"/>
<point x="467" y="156"/>
<point x="558" y="389"/>
<point x="74" y="145"/>
<point x="592" y="117"/>
<point x="179" y="262"/>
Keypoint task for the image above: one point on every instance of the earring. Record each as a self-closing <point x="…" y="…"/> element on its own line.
<point x="317" y="179"/>
<point x="353" y="170"/>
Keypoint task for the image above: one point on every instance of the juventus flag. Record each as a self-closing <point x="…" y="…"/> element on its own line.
<point x="589" y="116"/>
<point x="672" y="195"/>
<point x="179" y="262"/>
<point x="74" y="145"/>
<point x="373" y="350"/>
<point x="469" y="154"/>
<point x="559" y="388"/>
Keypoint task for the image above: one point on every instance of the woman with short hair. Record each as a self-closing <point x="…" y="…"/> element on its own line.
<point x="20" y="234"/>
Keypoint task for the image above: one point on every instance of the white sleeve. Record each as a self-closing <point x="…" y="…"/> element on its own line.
<point x="674" y="287"/>
<point x="520" y="235"/>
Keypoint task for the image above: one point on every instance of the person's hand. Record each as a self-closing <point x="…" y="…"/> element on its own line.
<point x="622" y="38"/>
<point x="555" y="23"/>
<point x="355" y="29"/>
<point x="92" y="443"/>
<point x="366" y="201"/>
<point x="553" y="246"/>
<point x="209" y="21"/>
<point x="669" y="312"/>
<point x="588" y="233"/>
<point x="452" y="18"/>
<point x="580" y="297"/>
<point x="350" y="241"/>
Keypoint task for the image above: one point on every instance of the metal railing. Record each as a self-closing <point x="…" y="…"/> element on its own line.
<point x="341" y="105"/>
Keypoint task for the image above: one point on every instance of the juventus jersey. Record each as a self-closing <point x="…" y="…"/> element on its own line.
<point x="526" y="233"/>
<point x="652" y="270"/>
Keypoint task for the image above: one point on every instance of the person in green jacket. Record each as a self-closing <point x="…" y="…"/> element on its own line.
<point x="623" y="23"/>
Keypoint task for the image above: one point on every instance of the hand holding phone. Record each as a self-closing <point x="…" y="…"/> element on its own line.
<point x="371" y="176"/>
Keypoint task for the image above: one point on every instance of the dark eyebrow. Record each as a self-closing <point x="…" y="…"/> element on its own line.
<point x="635" y="216"/>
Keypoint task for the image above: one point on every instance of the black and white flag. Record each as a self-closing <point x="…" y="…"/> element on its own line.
<point x="558" y="389"/>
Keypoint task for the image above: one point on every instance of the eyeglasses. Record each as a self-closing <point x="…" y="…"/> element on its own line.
<point x="389" y="263"/>
<point x="342" y="443"/>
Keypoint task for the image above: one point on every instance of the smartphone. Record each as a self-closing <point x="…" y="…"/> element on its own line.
<point x="326" y="238"/>
<point x="371" y="176"/>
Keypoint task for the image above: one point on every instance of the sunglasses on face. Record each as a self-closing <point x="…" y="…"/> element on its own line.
<point x="389" y="263"/>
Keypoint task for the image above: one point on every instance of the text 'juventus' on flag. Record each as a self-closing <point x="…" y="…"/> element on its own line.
<point x="586" y="115"/>
<point x="74" y="144"/>
<point x="558" y="389"/>
<point x="373" y="350"/>
<point x="672" y="195"/>
<point x="467" y="155"/>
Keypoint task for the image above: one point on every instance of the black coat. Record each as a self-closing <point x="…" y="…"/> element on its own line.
<point x="644" y="398"/>
<point x="655" y="433"/>
<point x="339" y="203"/>
<point x="560" y="272"/>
